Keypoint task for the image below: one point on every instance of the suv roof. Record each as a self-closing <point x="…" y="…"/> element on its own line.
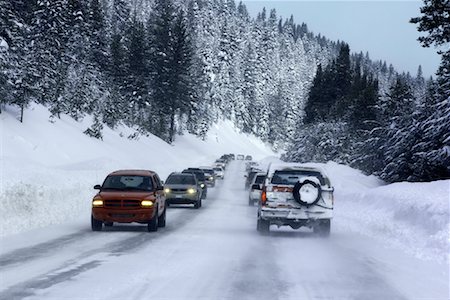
<point x="294" y="166"/>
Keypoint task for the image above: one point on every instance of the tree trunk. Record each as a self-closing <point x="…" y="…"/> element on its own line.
<point x="21" y="112"/>
<point x="172" y="127"/>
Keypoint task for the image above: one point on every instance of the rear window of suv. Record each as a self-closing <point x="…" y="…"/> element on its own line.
<point x="291" y="177"/>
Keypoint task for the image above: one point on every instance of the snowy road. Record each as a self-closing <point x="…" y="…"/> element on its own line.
<point x="211" y="253"/>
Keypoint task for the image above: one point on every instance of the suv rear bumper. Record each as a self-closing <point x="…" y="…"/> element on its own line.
<point x="295" y="214"/>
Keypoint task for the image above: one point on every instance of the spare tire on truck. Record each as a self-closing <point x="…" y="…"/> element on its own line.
<point x="307" y="192"/>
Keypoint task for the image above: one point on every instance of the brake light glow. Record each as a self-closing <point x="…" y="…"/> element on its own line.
<point x="263" y="196"/>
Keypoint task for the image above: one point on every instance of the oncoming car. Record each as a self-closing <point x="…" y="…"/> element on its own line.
<point x="296" y="195"/>
<point x="128" y="196"/>
<point x="183" y="188"/>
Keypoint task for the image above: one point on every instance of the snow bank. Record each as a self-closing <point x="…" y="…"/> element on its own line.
<point x="413" y="216"/>
<point x="48" y="168"/>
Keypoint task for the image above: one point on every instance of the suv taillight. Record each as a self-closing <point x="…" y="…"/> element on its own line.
<point x="263" y="196"/>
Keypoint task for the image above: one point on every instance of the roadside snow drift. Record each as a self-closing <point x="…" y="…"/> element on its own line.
<point x="413" y="216"/>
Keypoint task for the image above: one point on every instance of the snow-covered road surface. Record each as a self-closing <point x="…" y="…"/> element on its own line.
<point x="211" y="253"/>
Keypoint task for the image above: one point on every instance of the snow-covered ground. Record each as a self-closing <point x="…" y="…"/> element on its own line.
<point x="48" y="169"/>
<point x="388" y="241"/>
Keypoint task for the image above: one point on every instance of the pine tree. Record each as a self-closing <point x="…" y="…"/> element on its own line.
<point x="171" y="63"/>
<point x="48" y="30"/>
<point x="98" y="40"/>
<point x="398" y="123"/>
<point x="342" y="83"/>
<point x="432" y="152"/>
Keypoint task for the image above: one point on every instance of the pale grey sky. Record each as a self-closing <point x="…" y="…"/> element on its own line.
<point x="380" y="27"/>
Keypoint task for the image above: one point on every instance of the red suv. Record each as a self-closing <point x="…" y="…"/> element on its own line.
<point x="128" y="196"/>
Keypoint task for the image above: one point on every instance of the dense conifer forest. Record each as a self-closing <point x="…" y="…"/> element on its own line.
<point x="166" y="67"/>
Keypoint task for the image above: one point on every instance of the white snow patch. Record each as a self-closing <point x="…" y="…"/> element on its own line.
<point x="3" y="45"/>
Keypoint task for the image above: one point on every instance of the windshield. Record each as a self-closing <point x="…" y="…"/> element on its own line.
<point x="199" y="174"/>
<point x="181" y="179"/>
<point x="291" y="177"/>
<point x="128" y="182"/>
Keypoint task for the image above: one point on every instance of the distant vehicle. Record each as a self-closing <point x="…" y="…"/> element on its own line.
<point x="219" y="172"/>
<point x="248" y="157"/>
<point x="221" y="162"/>
<point x="210" y="176"/>
<point x="255" y="188"/>
<point x="128" y="196"/>
<point x="240" y="157"/>
<point x="233" y="157"/>
<point x="183" y="188"/>
<point x="250" y="176"/>
<point x="250" y="165"/>
<point x="226" y="158"/>
<point x="295" y="195"/>
<point x="200" y="178"/>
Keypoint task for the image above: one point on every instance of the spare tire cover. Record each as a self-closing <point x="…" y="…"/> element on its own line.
<point x="307" y="192"/>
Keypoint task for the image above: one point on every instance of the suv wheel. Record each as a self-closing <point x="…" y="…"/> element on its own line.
<point x="96" y="225"/>
<point x="323" y="228"/>
<point x="198" y="204"/>
<point x="263" y="226"/>
<point x="162" y="219"/>
<point x="153" y="223"/>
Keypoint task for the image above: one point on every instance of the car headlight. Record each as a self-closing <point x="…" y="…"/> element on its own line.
<point x="202" y="185"/>
<point x="146" y="203"/>
<point x="191" y="191"/>
<point x="97" y="202"/>
<point x="211" y="178"/>
<point x="167" y="190"/>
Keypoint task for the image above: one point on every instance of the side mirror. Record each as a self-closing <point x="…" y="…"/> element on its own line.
<point x="256" y="187"/>
<point x="97" y="187"/>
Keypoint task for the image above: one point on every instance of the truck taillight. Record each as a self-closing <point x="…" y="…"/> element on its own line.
<point x="263" y="196"/>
